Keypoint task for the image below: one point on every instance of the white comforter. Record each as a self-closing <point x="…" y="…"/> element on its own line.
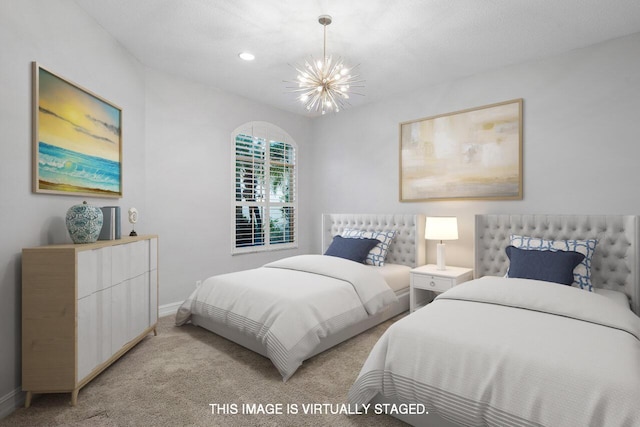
<point x="502" y="352"/>
<point x="290" y="305"/>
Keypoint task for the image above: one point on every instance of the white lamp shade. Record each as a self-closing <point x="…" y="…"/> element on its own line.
<point x="441" y="228"/>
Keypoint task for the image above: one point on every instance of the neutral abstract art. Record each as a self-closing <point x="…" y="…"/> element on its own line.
<point x="469" y="154"/>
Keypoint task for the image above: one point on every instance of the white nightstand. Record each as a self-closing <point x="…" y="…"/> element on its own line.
<point x="429" y="278"/>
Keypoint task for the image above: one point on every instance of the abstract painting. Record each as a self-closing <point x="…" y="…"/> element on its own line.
<point x="469" y="154"/>
<point x="77" y="139"/>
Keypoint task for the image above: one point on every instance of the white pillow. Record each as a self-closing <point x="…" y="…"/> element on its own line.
<point x="582" y="272"/>
<point x="378" y="254"/>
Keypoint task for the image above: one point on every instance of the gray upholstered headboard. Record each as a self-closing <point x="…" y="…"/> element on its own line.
<point x="407" y="248"/>
<point x="616" y="259"/>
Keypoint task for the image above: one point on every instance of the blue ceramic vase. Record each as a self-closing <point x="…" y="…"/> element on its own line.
<point x="84" y="223"/>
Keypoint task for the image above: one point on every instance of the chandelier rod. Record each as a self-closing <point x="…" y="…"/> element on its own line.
<point x="324" y="20"/>
<point x="324" y="47"/>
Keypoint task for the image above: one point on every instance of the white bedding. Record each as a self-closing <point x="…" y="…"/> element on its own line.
<point x="396" y="275"/>
<point x="617" y="297"/>
<point x="291" y="304"/>
<point x="500" y="352"/>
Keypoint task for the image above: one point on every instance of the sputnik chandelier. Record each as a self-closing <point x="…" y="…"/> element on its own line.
<point x="325" y="85"/>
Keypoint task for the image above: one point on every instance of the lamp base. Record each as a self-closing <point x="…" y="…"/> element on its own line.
<point x="440" y="256"/>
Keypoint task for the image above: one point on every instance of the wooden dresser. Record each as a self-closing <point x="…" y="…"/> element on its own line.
<point x="84" y="306"/>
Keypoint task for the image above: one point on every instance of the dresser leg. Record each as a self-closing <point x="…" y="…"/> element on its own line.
<point x="155" y="332"/>
<point x="74" y="397"/>
<point x="27" y="400"/>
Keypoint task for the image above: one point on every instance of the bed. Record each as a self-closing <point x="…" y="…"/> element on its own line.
<point x="503" y="351"/>
<point x="292" y="309"/>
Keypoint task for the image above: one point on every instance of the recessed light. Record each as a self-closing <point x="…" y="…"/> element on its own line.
<point x="246" y="56"/>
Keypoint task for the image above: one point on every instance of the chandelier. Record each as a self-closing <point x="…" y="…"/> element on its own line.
<point x="325" y="85"/>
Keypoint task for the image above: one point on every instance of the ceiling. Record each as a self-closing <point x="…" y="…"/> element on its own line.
<point x="398" y="44"/>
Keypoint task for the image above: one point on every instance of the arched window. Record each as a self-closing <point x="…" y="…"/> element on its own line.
<point x="264" y="189"/>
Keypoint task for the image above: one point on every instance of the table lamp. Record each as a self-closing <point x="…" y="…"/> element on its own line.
<point x="441" y="228"/>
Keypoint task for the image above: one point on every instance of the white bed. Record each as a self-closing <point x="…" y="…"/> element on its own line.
<point x="500" y="351"/>
<point x="295" y="308"/>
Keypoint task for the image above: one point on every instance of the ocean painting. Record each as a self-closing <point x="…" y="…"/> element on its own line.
<point x="77" y="137"/>
<point x="470" y="154"/>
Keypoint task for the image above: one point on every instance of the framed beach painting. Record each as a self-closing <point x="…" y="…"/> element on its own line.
<point x="469" y="154"/>
<point x="77" y="139"/>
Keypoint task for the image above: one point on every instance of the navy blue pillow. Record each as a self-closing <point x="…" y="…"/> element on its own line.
<point x="355" y="249"/>
<point x="550" y="266"/>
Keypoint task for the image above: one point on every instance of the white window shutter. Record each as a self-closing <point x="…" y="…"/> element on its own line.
<point x="264" y="190"/>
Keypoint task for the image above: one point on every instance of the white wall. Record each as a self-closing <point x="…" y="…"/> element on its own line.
<point x="189" y="179"/>
<point x="61" y="37"/>
<point x="581" y="141"/>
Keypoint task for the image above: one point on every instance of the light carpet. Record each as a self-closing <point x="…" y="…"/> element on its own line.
<point x="173" y="378"/>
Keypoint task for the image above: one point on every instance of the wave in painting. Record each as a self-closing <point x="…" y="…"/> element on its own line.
<point x="59" y="169"/>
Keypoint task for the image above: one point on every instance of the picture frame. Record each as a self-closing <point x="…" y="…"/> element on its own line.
<point x="77" y="139"/>
<point x="469" y="154"/>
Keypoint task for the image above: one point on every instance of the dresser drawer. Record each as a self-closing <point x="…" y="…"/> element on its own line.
<point x="432" y="283"/>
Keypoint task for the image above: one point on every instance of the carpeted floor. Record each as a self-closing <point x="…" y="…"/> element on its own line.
<point x="172" y="380"/>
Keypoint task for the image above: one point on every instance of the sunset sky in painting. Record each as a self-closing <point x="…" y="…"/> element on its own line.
<point x="73" y="119"/>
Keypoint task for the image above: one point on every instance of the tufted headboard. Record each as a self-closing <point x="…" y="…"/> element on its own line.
<point x="616" y="259"/>
<point x="407" y="248"/>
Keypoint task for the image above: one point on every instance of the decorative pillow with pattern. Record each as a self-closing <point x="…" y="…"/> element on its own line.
<point x="378" y="254"/>
<point x="582" y="272"/>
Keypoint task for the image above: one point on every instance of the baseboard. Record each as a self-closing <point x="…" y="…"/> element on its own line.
<point x="169" y="309"/>
<point x="10" y="402"/>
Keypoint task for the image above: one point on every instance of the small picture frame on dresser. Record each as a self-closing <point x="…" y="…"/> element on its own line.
<point x="427" y="279"/>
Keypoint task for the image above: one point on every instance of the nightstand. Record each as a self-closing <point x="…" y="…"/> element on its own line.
<point x="429" y="278"/>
